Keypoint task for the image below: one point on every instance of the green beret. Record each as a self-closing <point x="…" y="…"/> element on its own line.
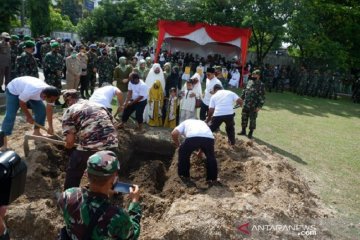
<point x="14" y="37"/>
<point x="27" y="37"/>
<point x="54" y="44"/>
<point x="29" y="44"/>
<point x="103" y="163"/>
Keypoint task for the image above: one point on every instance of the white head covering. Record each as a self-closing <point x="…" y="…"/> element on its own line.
<point x="152" y="76"/>
<point x="196" y="87"/>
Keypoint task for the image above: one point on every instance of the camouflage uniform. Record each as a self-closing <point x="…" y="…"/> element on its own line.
<point x="53" y="66"/>
<point x="26" y="65"/>
<point x="80" y="206"/>
<point x="94" y="129"/>
<point x="45" y="48"/>
<point x="313" y="83"/>
<point x="303" y="81"/>
<point x="14" y="55"/>
<point x="268" y="77"/>
<point x="254" y="97"/>
<point x="92" y="63"/>
<point x="105" y="67"/>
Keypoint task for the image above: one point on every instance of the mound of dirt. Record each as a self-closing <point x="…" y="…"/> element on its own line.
<point x="256" y="185"/>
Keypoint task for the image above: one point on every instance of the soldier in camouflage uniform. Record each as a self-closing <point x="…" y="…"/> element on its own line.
<point x="53" y="66"/>
<point x="81" y="206"/>
<point x="303" y="81"/>
<point x="92" y="67"/>
<point x="105" y="67"/>
<point x="268" y="77"/>
<point x="141" y="69"/>
<point x="22" y="43"/>
<point x="14" y="55"/>
<point x="93" y="126"/>
<point x="313" y="83"/>
<point x="253" y="98"/>
<point x="26" y="64"/>
<point x="45" y="48"/>
<point x="325" y="85"/>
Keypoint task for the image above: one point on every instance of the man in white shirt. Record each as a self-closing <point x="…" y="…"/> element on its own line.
<point x="104" y="96"/>
<point x="221" y="110"/>
<point x="210" y="83"/>
<point x="136" y="100"/>
<point x="198" y="136"/>
<point x="29" y="91"/>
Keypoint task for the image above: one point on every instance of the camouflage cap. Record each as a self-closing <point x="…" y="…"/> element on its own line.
<point x="103" y="163"/>
<point x="27" y="37"/>
<point x="5" y="35"/>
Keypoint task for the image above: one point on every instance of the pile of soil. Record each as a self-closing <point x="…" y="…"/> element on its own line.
<point x="256" y="186"/>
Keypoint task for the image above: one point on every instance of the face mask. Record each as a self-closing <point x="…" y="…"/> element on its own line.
<point x="73" y="55"/>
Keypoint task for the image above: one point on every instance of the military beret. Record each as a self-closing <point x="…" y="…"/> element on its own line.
<point x="29" y="44"/>
<point x="54" y="44"/>
<point x="103" y="163"/>
<point x="257" y="71"/>
<point x="70" y="93"/>
<point x="14" y="37"/>
<point x="27" y="37"/>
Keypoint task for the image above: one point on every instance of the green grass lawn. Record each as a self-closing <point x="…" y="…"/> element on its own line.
<point x="321" y="138"/>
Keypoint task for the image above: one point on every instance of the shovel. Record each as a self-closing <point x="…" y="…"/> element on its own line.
<point x="45" y="129"/>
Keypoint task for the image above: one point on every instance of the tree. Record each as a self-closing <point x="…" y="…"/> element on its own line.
<point x="8" y="10"/>
<point x="120" y="19"/>
<point x="39" y="11"/>
<point x="73" y="9"/>
<point x="59" y="22"/>
<point x="326" y="33"/>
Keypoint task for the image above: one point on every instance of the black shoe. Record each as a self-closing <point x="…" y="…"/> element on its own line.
<point x="250" y="135"/>
<point x="243" y="132"/>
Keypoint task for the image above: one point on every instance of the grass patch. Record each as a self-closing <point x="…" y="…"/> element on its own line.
<point x="321" y="137"/>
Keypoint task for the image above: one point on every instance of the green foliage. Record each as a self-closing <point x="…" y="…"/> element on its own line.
<point x="326" y="33"/>
<point x="59" y="22"/>
<point x="39" y="11"/>
<point x="72" y="9"/>
<point x="8" y="10"/>
<point x="121" y="19"/>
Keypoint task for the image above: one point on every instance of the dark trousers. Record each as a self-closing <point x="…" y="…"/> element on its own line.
<point x="229" y="122"/>
<point x="192" y="144"/>
<point x="139" y="108"/>
<point x="203" y="111"/>
<point x="84" y="85"/>
<point x="76" y="167"/>
<point x="5" y="72"/>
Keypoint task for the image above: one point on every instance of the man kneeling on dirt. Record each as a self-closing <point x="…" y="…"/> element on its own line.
<point x="27" y="92"/>
<point x="198" y="136"/>
<point x="88" y="213"/>
<point x="93" y="126"/>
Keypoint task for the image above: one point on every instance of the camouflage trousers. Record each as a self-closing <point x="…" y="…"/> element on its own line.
<point x="53" y="79"/>
<point x="245" y="115"/>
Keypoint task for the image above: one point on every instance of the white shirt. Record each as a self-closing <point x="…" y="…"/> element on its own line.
<point x="140" y="89"/>
<point x="27" y="88"/>
<point x="104" y="96"/>
<point x="223" y="101"/>
<point x="209" y="88"/>
<point x="194" y="128"/>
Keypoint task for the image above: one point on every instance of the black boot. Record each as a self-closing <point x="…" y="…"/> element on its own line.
<point x="243" y="132"/>
<point x="250" y="135"/>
